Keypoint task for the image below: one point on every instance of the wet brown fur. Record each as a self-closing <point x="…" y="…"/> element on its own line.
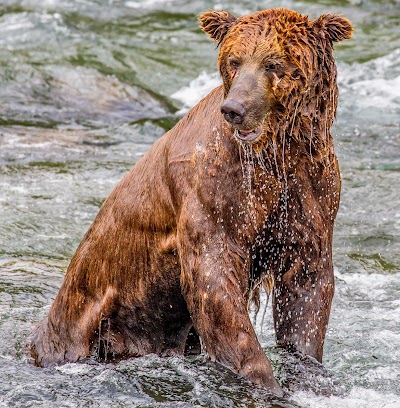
<point x="201" y="220"/>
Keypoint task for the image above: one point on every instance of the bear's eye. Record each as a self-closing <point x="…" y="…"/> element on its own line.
<point x="296" y="74"/>
<point x="271" y="67"/>
<point x="234" y="64"/>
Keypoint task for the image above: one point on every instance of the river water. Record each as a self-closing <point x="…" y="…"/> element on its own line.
<point x="86" y="86"/>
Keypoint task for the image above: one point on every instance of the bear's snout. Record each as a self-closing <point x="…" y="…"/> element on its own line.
<point x="233" y="111"/>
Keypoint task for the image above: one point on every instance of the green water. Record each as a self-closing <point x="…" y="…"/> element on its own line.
<point x="85" y="89"/>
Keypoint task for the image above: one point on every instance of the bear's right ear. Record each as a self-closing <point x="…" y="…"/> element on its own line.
<point x="216" y="24"/>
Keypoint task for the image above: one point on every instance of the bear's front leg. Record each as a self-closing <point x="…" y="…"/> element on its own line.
<point x="304" y="280"/>
<point x="302" y="301"/>
<point x="214" y="284"/>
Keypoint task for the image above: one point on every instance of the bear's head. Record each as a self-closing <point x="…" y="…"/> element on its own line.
<point x="276" y="64"/>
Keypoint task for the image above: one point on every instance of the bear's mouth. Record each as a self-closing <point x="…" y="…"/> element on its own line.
<point x="249" y="135"/>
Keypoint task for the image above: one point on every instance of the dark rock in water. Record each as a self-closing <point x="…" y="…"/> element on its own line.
<point x="78" y="95"/>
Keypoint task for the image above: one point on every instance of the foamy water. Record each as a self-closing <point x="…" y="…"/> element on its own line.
<point x="196" y="90"/>
<point x="357" y="398"/>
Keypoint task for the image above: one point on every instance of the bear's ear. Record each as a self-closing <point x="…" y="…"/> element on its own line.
<point x="337" y="27"/>
<point x="216" y="24"/>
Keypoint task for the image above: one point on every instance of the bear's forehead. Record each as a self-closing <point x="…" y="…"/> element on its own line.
<point x="252" y="42"/>
<point x="266" y="32"/>
<point x="271" y="25"/>
<point x="246" y="49"/>
<point x="282" y="17"/>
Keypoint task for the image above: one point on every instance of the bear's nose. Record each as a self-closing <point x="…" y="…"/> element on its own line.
<point x="233" y="111"/>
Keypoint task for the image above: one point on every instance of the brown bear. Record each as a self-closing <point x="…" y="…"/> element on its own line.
<point x="241" y="193"/>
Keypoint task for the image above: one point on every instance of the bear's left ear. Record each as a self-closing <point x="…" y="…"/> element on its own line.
<point x="337" y="27"/>
<point x="216" y="24"/>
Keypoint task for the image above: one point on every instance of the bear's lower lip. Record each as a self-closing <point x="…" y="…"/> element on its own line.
<point x="249" y="135"/>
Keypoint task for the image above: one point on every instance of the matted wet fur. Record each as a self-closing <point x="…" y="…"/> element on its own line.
<point x="221" y="204"/>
